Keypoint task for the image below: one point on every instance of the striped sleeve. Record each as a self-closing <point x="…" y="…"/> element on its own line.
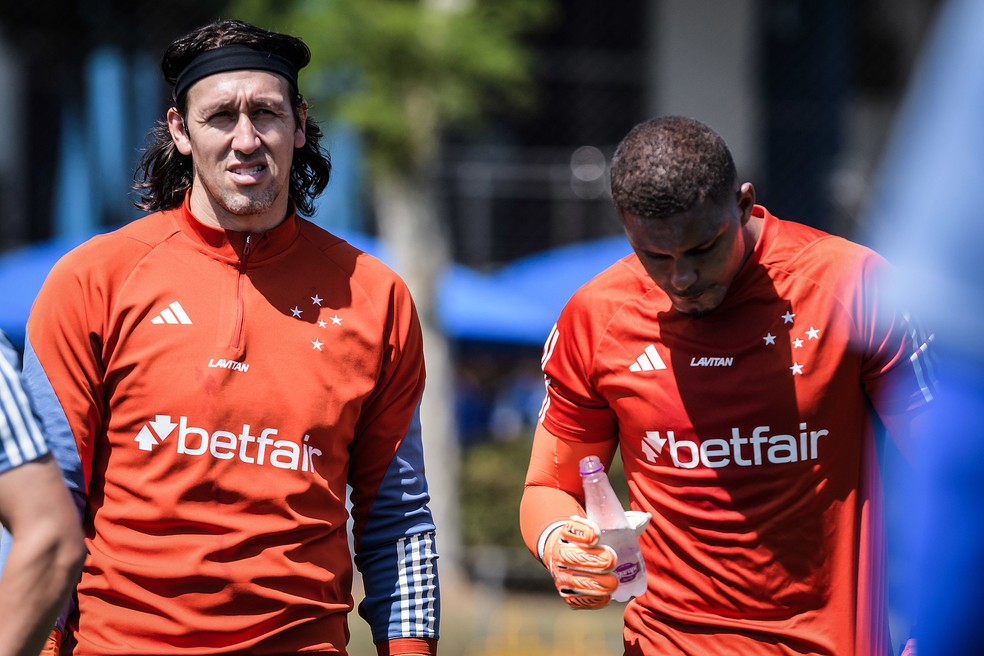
<point x="20" y="438"/>
<point x="396" y="552"/>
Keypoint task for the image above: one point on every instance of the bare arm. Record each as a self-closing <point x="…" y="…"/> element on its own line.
<point x="553" y="484"/>
<point x="45" y="558"/>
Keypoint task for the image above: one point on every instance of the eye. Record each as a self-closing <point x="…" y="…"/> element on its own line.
<point x="657" y="257"/>
<point x="221" y="116"/>
<point x="704" y="249"/>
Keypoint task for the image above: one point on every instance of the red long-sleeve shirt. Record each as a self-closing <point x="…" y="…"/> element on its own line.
<point x="212" y="393"/>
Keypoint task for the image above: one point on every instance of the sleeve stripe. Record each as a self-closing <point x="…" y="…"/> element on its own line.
<point x="548" y="346"/>
<point x="922" y="361"/>
<point x="548" y="349"/>
<point x="417" y="613"/>
<point x="20" y="437"/>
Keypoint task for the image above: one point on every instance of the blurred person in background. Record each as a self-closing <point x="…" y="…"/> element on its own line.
<point x="46" y="552"/>
<point x="218" y="372"/>
<point x="743" y="366"/>
<point x="925" y="213"/>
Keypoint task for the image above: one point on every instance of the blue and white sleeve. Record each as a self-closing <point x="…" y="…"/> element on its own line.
<point x="20" y="437"/>
<point x="396" y="552"/>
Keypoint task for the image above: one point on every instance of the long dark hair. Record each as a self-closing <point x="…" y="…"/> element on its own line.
<point x="164" y="175"/>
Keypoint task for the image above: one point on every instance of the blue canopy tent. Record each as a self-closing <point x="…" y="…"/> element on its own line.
<point x="22" y="273"/>
<point x="520" y="302"/>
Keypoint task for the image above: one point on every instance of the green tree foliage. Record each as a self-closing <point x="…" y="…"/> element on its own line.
<point x="404" y="71"/>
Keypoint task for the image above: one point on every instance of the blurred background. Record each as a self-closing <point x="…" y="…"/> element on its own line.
<point x="470" y="141"/>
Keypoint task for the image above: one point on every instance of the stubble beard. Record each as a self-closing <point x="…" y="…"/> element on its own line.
<point x="243" y="202"/>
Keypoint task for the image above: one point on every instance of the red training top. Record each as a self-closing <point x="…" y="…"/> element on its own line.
<point x="748" y="435"/>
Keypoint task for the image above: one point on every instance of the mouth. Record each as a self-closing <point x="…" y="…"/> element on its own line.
<point x="689" y="296"/>
<point x="247" y="174"/>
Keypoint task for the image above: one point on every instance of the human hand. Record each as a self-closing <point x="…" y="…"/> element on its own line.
<point x="910" y="648"/>
<point x="580" y="567"/>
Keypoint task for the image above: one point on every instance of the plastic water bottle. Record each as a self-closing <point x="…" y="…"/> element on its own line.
<point x="604" y="508"/>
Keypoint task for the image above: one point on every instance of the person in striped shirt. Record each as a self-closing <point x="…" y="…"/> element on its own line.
<point x="47" y="550"/>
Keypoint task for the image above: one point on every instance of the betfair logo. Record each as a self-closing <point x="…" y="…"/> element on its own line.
<point x="761" y="448"/>
<point x="154" y="432"/>
<point x="262" y="449"/>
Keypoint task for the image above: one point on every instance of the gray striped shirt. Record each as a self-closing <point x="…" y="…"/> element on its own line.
<point x="20" y="438"/>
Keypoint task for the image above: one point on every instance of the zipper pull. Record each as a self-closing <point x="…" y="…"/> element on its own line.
<point x="246" y="248"/>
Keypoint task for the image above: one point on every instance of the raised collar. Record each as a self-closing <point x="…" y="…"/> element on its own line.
<point x="228" y="244"/>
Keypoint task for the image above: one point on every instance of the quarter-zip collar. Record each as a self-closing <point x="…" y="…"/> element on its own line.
<point x="228" y="245"/>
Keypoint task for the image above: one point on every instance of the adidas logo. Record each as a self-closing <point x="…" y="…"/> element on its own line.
<point x="648" y="361"/>
<point x="173" y="314"/>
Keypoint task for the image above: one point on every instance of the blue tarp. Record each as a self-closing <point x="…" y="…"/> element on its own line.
<point x="520" y="302"/>
<point x="22" y="272"/>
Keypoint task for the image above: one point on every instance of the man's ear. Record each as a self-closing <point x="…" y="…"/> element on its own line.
<point x="746" y="201"/>
<point x="179" y="133"/>
<point x="300" y="135"/>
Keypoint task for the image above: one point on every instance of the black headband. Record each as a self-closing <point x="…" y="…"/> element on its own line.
<point x="233" y="58"/>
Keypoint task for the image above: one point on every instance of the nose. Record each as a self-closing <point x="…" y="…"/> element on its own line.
<point x="245" y="138"/>
<point x="684" y="276"/>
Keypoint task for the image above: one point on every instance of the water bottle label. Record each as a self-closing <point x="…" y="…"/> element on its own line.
<point x="627" y="572"/>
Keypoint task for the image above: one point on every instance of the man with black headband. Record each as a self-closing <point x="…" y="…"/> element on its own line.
<point x="219" y="371"/>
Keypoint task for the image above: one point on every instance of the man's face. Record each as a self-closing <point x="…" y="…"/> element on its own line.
<point x="693" y="256"/>
<point x="241" y="133"/>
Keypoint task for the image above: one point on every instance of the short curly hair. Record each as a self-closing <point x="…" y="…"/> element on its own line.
<point x="671" y="164"/>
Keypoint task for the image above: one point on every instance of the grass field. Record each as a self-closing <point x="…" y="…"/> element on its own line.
<point x="480" y="621"/>
<point x="483" y="621"/>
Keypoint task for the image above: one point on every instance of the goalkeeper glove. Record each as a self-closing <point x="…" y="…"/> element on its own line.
<point x="580" y="567"/>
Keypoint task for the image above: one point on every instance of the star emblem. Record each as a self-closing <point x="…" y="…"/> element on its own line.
<point x="797" y="369"/>
<point x="316" y="299"/>
<point x="788" y="317"/>
<point x="769" y="339"/>
<point x="797" y="343"/>
<point x="296" y="311"/>
<point x="322" y="323"/>
<point x="317" y="344"/>
<point x="813" y="333"/>
<point x="336" y="320"/>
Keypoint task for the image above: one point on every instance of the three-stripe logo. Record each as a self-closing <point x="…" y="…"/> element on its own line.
<point x="648" y="361"/>
<point x="172" y="314"/>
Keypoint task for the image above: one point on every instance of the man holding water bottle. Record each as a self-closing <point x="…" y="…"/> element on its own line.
<point x="742" y="365"/>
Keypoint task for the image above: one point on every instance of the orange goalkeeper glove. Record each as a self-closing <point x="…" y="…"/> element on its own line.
<point x="581" y="568"/>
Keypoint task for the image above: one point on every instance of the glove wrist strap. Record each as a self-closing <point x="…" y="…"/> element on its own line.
<point x="542" y="542"/>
